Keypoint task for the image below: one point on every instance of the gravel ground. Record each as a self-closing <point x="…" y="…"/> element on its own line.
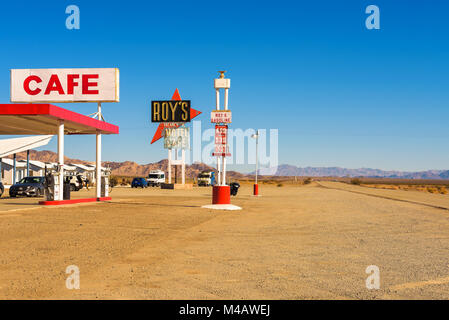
<point x="294" y="242"/>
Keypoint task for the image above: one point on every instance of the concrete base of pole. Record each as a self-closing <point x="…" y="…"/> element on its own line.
<point x="221" y="195"/>
<point x="177" y="186"/>
<point x="221" y="207"/>
<point x="221" y="199"/>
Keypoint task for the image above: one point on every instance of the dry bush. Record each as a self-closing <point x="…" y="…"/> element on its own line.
<point x="307" y="180"/>
<point x="126" y="181"/>
<point x="442" y="190"/>
<point x="280" y="185"/>
<point x="113" y="181"/>
<point x="423" y="188"/>
<point x="432" y="189"/>
<point x="356" y="181"/>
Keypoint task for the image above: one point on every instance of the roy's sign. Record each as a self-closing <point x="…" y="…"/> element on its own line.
<point x="178" y="138"/>
<point x="65" y="85"/>
<point x="170" y="111"/>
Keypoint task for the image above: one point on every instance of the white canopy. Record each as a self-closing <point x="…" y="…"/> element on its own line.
<point x="35" y="163"/>
<point x="16" y="145"/>
<point x="10" y="162"/>
<point x="86" y="168"/>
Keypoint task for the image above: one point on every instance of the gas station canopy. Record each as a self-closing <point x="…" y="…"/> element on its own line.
<point x="16" y="145"/>
<point x="37" y="119"/>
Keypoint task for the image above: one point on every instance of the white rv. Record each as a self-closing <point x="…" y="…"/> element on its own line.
<point x="156" y="178"/>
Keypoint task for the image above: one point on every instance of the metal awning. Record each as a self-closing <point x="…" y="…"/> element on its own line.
<point x="44" y="119"/>
<point x="16" y="145"/>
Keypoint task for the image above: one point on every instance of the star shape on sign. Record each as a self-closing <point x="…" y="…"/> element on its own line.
<point x="158" y="134"/>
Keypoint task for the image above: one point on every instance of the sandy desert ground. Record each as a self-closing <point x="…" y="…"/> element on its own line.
<point x="294" y="242"/>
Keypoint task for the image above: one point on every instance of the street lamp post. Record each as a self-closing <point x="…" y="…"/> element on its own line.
<point x="256" y="186"/>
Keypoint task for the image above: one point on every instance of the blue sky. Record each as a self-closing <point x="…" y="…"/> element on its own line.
<point x="340" y="95"/>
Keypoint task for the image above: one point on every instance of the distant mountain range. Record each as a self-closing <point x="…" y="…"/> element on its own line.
<point x="289" y="170"/>
<point x="126" y="168"/>
<point x="130" y="168"/>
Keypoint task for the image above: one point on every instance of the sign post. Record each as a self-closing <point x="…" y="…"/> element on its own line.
<point x="221" y="193"/>
<point x="172" y="116"/>
<point x="256" y="185"/>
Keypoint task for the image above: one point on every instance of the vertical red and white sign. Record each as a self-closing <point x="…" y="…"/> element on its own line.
<point x="221" y="140"/>
<point x="221" y="133"/>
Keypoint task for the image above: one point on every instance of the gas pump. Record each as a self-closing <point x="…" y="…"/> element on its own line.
<point x="51" y="184"/>
<point x="49" y="187"/>
<point x="105" y="183"/>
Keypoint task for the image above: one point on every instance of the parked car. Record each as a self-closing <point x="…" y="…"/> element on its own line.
<point x="2" y="189"/>
<point x="28" y="186"/>
<point x="76" y="182"/>
<point x="139" y="182"/>
<point x="156" y="178"/>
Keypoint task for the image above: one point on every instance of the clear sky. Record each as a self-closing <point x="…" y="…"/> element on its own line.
<point x="339" y="94"/>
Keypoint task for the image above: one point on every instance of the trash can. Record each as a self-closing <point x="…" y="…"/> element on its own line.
<point x="66" y="194"/>
<point x="234" y="188"/>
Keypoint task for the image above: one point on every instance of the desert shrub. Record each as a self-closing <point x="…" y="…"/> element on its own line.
<point x="432" y="189"/>
<point x="356" y="181"/>
<point x="113" y="181"/>
<point x="126" y="181"/>
<point x="280" y="185"/>
<point x="442" y="190"/>
<point x="307" y="180"/>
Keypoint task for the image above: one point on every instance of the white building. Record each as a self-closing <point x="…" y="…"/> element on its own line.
<point x="37" y="168"/>
<point x="7" y="171"/>
<point x="12" y="147"/>
<point x="88" y="171"/>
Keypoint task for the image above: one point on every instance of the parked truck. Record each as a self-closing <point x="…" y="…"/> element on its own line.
<point x="206" y="178"/>
<point x="156" y="178"/>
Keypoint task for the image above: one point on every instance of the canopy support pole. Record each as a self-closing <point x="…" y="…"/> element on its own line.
<point x="61" y="159"/>
<point x="14" y="171"/>
<point x="98" y="159"/>
<point x="28" y="163"/>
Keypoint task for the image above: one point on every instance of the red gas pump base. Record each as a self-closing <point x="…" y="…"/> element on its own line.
<point x="221" y="199"/>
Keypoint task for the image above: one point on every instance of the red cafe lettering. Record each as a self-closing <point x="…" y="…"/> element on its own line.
<point x="89" y="85"/>
<point x="65" y="85"/>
